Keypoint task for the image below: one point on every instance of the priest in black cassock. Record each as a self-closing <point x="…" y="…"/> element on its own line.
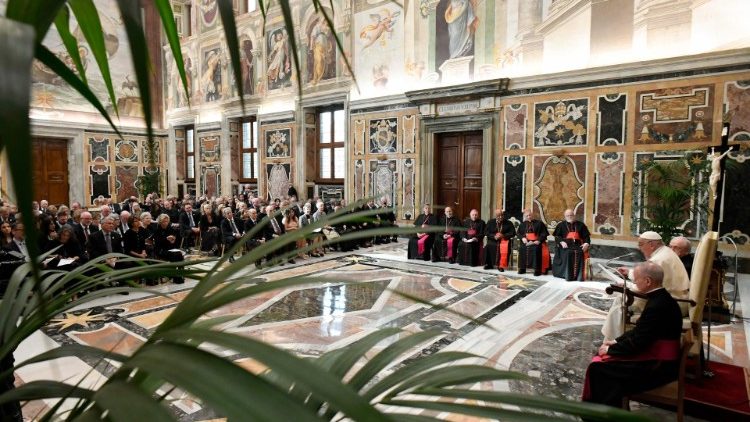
<point x="533" y="251"/>
<point x="645" y="357"/>
<point x="500" y="233"/>
<point x="446" y="241"/>
<point x="472" y="238"/>
<point x="420" y="243"/>
<point x="573" y="241"/>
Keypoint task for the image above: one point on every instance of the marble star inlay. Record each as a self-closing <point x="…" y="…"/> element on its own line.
<point x="70" y="319"/>
<point x="354" y="259"/>
<point x="515" y="282"/>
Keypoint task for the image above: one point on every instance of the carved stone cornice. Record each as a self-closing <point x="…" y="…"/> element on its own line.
<point x="473" y="90"/>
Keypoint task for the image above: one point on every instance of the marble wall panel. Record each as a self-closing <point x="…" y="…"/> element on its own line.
<point x="210" y="147"/>
<point x="278" y="178"/>
<point x="408" y="190"/>
<point x="126" y="151"/>
<point x="736" y="101"/>
<point x="331" y="192"/>
<point x="736" y="197"/>
<point x="559" y="184"/>
<point x="146" y="155"/>
<point x="98" y="148"/>
<point x="409" y="134"/>
<point x="611" y="117"/>
<point x="211" y="180"/>
<point x="359" y="180"/>
<point x="693" y="225"/>
<point x="278" y="143"/>
<point x="608" y="209"/>
<point x="234" y="150"/>
<point x="99" y="175"/>
<point x="674" y="115"/>
<point x="383" y="135"/>
<point x="516" y="123"/>
<point x="383" y="179"/>
<point x="514" y="186"/>
<point x="125" y="182"/>
<point x="359" y="136"/>
<point x="561" y="123"/>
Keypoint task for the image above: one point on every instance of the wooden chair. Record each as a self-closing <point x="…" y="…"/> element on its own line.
<point x="699" y="280"/>
<point x="672" y="394"/>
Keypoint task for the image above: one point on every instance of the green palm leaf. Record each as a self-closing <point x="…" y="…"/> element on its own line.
<point x="226" y="11"/>
<point x="62" y="22"/>
<point x="170" y="31"/>
<point x="38" y="13"/>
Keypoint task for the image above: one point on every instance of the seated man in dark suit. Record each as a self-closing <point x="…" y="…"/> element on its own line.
<point x="272" y="230"/>
<point x="645" y="357"/>
<point x="106" y="241"/>
<point x="85" y="228"/>
<point x="230" y="230"/>
<point x="189" y="228"/>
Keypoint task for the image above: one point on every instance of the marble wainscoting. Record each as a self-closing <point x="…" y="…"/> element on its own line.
<point x="543" y="327"/>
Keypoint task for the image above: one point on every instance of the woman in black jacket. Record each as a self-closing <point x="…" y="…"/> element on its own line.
<point x="69" y="248"/>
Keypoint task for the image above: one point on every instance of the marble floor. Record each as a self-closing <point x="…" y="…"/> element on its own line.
<point x="543" y="327"/>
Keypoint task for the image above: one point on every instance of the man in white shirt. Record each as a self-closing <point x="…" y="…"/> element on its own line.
<point x="676" y="281"/>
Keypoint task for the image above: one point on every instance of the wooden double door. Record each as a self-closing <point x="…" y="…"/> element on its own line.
<point x="458" y="172"/>
<point x="50" y="172"/>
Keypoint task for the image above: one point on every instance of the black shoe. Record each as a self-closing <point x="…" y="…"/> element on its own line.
<point x="435" y="260"/>
<point x="488" y="267"/>
<point x="356" y="247"/>
<point x="501" y="269"/>
<point x="537" y="273"/>
<point x="178" y="280"/>
<point x="124" y="293"/>
<point x="521" y="271"/>
<point x="257" y="265"/>
<point x="231" y="259"/>
<point x="451" y="261"/>
<point x="394" y="240"/>
<point x="291" y="261"/>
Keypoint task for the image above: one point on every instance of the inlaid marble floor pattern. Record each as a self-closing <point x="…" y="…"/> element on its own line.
<point x="543" y="327"/>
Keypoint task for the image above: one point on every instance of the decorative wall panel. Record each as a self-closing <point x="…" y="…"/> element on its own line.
<point x="359" y="137"/>
<point x="561" y="123"/>
<point x="278" y="143"/>
<point x="409" y="137"/>
<point x="736" y="198"/>
<point x="516" y="122"/>
<point x="384" y="179"/>
<point x="126" y="151"/>
<point x="559" y="184"/>
<point x="608" y="209"/>
<point x="99" y="181"/>
<point x="99" y="148"/>
<point x="736" y="101"/>
<point x="210" y="147"/>
<point x="278" y="177"/>
<point x="234" y="145"/>
<point x="683" y="114"/>
<point x="211" y="180"/>
<point x="693" y="225"/>
<point x="610" y="119"/>
<point x="125" y="182"/>
<point x="146" y="155"/>
<point x="359" y="180"/>
<point x="408" y="190"/>
<point x="330" y="192"/>
<point x="514" y="177"/>
<point x="383" y="135"/>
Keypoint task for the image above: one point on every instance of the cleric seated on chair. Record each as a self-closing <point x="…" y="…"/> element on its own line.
<point x="645" y="357"/>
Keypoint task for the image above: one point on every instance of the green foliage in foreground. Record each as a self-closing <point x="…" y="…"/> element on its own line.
<point x="345" y="383"/>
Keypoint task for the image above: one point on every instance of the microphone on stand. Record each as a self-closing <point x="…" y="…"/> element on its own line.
<point x="618" y="257"/>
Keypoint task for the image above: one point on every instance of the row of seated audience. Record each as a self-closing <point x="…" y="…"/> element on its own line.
<point x="130" y="229"/>
<point x="463" y="242"/>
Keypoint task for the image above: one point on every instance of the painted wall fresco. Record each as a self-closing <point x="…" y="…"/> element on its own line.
<point x="279" y="61"/>
<point x="321" y="51"/>
<point x="456" y="26"/>
<point x="561" y="123"/>
<point x="559" y="184"/>
<point x="379" y="46"/>
<point x="675" y="115"/>
<point x="50" y="93"/>
<point x="212" y="84"/>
